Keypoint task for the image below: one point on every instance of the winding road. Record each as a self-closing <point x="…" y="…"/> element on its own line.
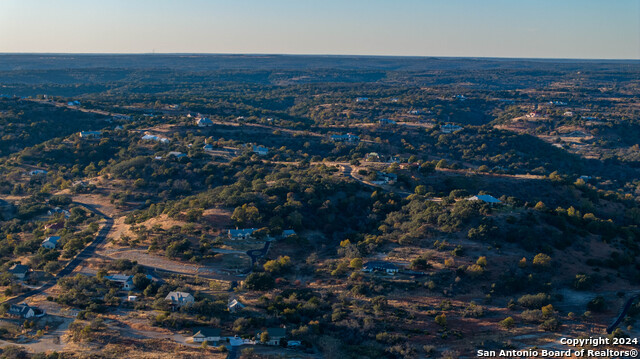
<point x="86" y="253"/>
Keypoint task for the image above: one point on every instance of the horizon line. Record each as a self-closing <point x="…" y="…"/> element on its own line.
<point x="317" y="55"/>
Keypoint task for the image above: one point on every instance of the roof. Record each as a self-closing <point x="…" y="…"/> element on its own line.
<point x="120" y="278"/>
<point x="380" y="264"/>
<point x="18" y="268"/>
<point x="204" y="120"/>
<point x="277" y="332"/>
<point x="484" y="198"/>
<point x="52" y="239"/>
<point x="206" y="332"/>
<point x="288" y="232"/>
<point x="20" y="309"/>
<point x="241" y="232"/>
<point x="178" y="296"/>
<point x="234" y="303"/>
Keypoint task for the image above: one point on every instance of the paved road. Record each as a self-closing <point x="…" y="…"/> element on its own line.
<point x="87" y="252"/>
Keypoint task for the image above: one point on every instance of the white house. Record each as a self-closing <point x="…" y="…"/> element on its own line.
<point x="450" y="128"/>
<point x="19" y="271"/>
<point x="349" y="137"/>
<point x="207" y="147"/>
<point x="485" y="198"/>
<point x="362" y="99"/>
<point x="209" y="335"/>
<point x="386" y="178"/>
<point x="176" y="154"/>
<point x="275" y="335"/>
<point x="149" y="137"/>
<point x="90" y="134"/>
<point x="261" y="150"/>
<point x="380" y="266"/>
<point x="51" y="242"/>
<point x="234" y="305"/>
<point x="204" y="122"/>
<point x="241" y="233"/>
<point x="179" y="299"/>
<point x="125" y="280"/>
<point x="25" y="311"/>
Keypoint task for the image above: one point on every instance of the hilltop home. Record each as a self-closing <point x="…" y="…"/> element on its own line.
<point x="90" y="134"/>
<point x="38" y="172"/>
<point x="51" y="242"/>
<point x="209" y="335"/>
<point x="25" y="311"/>
<point x="125" y="280"/>
<point x="149" y="137"/>
<point x="241" y="233"/>
<point x="386" y="178"/>
<point x="485" y="198"/>
<point x="275" y="335"/>
<point x="19" y="271"/>
<point x="261" y="150"/>
<point x="176" y="154"/>
<point x="450" y="128"/>
<point x="349" y="137"/>
<point x="386" y="121"/>
<point x="380" y="266"/>
<point x="207" y="147"/>
<point x="235" y="305"/>
<point x="178" y="299"/>
<point x="204" y="122"/>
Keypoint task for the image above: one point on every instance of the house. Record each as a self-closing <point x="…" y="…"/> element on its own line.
<point x="450" y="128"/>
<point x="380" y="266"/>
<point x="57" y="210"/>
<point x="19" y="271"/>
<point x="349" y="137"/>
<point x="125" y="280"/>
<point x="176" y="154"/>
<point x="241" y="233"/>
<point x="73" y="103"/>
<point x="209" y="335"/>
<point x="386" y="178"/>
<point x="484" y="198"/>
<point x="275" y="335"/>
<point x="178" y="299"/>
<point x="90" y="134"/>
<point x="288" y="233"/>
<point x="372" y="157"/>
<point x="118" y="128"/>
<point x="207" y="147"/>
<point x="204" y="122"/>
<point x="51" y="242"/>
<point x="261" y="150"/>
<point x="585" y="178"/>
<point x="294" y="344"/>
<point x="386" y="121"/>
<point x="235" y="305"/>
<point x="38" y="172"/>
<point x="414" y="112"/>
<point x="568" y="113"/>
<point x="25" y="311"/>
<point x="533" y="114"/>
<point x="362" y="99"/>
<point x="155" y="138"/>
<point x="557" y="103"/>
<point x="132" y="298"/>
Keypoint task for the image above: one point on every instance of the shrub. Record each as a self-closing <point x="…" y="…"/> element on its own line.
<point x="535" y="301"/>
<point x="508" y="323"/>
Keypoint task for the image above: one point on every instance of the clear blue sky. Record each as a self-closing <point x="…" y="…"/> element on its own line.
<point x="486" y="28"/>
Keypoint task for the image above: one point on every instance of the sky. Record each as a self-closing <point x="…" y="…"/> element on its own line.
<point x="601" y="29"/>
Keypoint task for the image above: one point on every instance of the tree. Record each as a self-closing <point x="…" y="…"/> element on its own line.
<point x="264" y="337"/>
<point x="421" y="190"/>
<point x="140" y="281"/>
<point x="356" y="263"/>
<point x="441" y="320"/>
<point x="259" y="281"/>
<point x="508" y="323"/>
<point x="542" y="260"/>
